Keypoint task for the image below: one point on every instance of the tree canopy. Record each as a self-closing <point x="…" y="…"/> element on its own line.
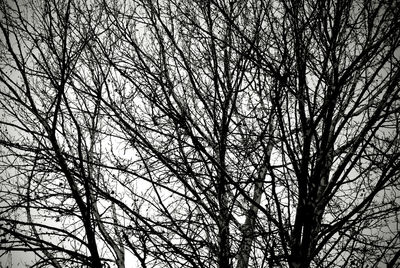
<point x="215" y="133"/>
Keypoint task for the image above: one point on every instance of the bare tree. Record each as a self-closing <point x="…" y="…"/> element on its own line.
<point x="202" y="133"/>
<point x="51" y="135"/>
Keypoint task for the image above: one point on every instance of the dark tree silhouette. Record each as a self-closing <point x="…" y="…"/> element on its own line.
<point x="201" y="133"/>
